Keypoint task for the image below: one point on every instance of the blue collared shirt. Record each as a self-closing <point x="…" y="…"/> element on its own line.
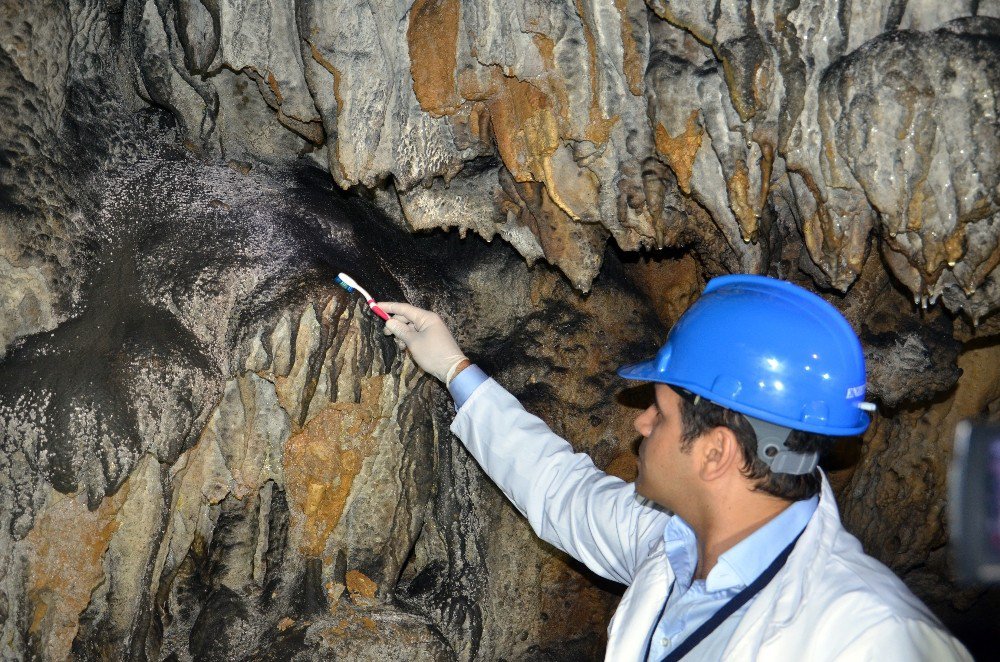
<point x="465" y="382"/>
<point x="691" y="603"/>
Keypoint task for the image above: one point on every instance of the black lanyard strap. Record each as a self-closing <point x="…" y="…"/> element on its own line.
<point x="730" y="607"/>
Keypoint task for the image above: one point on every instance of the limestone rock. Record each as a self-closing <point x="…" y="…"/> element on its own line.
<point x="252" y="470"/>
<point x="911" y="118"/>
<point x="419" y="93"/>
<point x="240" y="440"/>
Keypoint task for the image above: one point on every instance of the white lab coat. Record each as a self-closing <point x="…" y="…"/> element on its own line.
<point x="830" y="600"/>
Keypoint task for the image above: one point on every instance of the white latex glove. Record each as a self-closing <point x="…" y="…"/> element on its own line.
<point x="430" y="342"/>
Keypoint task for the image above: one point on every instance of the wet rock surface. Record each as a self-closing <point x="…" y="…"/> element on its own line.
<point x="210" y="451"/>
<point x="250" y="468"/>
<point x="539" y="118"/>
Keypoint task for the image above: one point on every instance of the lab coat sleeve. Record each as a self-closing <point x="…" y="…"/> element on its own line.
<point x="905" y="640"/>
<point x="569" y="502"/>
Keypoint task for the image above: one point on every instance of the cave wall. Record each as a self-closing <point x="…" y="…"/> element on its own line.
<point x="550" y="123"/>
<point x="211" y="452"/>
<point x="220" y="455"/>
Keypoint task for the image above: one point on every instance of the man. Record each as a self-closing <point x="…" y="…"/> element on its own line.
<point x="753" y="562"/>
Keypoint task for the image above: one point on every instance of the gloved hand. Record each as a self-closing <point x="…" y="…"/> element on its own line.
<point x="426" y="336"/>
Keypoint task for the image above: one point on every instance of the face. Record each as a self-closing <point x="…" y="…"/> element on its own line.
<point x="666" y="473"/>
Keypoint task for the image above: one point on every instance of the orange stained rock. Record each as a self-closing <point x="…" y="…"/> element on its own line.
<point x="555" y="84"/>
<point x="272" y="82"/>
<point x="939" y="250"/>
<point x="574" y="189"/>
<point x="954" y="248"/>
<point x="667" y="13"/>
<point x="64" y="552"/>
<point x="915" y="206"/>
<point x="546" y="50"/>
<point x="739" y="201"/>
<point x="322" y="461"/>
<point x="336" y="631"/>
<point x="432" y="36"/>
<point x="479" y="122"/>
<point x="336" y="169"/>
<point x="671" y="285"/>
<point x="527" y="136"/>
<point x="524" y="127"/>
<point x="680" y="151"/>
<point x="359" y="585"/>
<point x="766" y="168"/>
<point x="285" y="623"/>
<point x="480" y="84"/>
<point x="599" y="127"/>
<point x="979" y="386"/>
<point x="634" y="66"/>
<point x="843" y="245"/>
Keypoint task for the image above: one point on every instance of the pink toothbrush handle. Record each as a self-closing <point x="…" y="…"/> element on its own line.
<point x="378" y="311"/>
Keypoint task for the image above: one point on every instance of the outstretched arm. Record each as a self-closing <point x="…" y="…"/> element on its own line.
<point x="568" y="501"/>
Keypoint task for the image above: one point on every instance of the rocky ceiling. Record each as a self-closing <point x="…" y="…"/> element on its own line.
<point x="210" y="452"/>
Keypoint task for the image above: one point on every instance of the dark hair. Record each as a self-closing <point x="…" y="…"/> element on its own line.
<point x="699" y="415"/>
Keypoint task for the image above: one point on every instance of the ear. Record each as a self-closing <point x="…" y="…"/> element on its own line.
<point x="719" y="453"/>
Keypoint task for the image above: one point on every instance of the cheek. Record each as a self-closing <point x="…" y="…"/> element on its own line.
<point x="656" y="453"/>
<point x="648" y="450"/>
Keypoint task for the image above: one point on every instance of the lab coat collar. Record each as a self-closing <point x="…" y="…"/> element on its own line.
<point x="681" y="549"/>
<point x="780" y="601"/>
<point x="640" y="607"/>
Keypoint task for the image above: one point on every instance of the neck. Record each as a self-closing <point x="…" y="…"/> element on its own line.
<point x="732" y="521"/>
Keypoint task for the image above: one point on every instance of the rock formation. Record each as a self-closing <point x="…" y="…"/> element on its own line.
<point x="209" y="451"/>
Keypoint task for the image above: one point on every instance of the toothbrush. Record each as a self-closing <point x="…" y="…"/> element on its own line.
<point x="350" y="285"/>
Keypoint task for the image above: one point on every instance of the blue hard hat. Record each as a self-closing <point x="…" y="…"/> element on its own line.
<point x="768" y="349"/>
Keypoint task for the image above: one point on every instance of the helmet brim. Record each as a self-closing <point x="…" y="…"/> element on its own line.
<point x="644" y="371"/>
<point x="649" y="371"/>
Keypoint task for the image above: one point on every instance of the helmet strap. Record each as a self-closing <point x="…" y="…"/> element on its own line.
<point x="773" y="451"/>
